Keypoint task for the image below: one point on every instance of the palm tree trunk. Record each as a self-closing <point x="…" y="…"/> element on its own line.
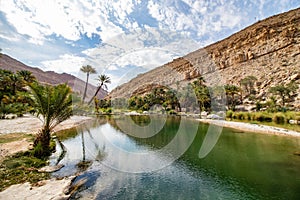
<point x="98" y="89"/>
<point x="42" y="143"/>
<point x="86" y="85"/>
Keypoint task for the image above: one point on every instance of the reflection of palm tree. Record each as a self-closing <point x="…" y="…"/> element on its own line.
<point x="100" y="151"/>
<point x="63" y="153"/>
<point x="83" y="147"/>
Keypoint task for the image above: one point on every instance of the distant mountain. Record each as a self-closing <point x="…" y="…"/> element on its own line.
<point x="50" y="77"/>
<point x="268" y="50"/>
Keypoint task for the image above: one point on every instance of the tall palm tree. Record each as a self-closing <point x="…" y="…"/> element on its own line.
<point x="88" y="70"/>
<point x="103" y="80"/>
<point x="26" y="76"/>
<point x="231" y="92"/>
<point x="52" y="104"/>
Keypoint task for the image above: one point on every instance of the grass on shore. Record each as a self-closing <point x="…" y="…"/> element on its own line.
<point x="5" y="138"/>
<point x="279" y="119"/>
<point x="20" y="168"/>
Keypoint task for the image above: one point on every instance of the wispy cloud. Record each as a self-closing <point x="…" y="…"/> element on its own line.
<point x="66" y="63"/>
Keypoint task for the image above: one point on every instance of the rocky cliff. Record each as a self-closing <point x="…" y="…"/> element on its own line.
<point x="50" y="77"/>
<point x="268" y="50"/>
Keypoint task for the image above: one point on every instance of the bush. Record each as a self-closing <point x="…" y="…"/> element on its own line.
<point x="39" y="151"/>
<point x="248" y="116"/>
<point x="279" y="118"/>
<point x="241" y="115"/>
<point x="229" y="114"/>
<point x="262" y="117"/>
<point x="172" y="112"/>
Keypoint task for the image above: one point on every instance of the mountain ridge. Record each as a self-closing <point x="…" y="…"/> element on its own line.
<point x="49" y="77"/>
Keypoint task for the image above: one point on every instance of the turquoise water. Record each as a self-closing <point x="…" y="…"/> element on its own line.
<point x="158" y="158"/>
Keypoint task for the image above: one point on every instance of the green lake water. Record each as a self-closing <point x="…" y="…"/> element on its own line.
<point x="158" y="158"/>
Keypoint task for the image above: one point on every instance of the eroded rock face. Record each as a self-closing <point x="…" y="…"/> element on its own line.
<point x="268" y="50"/>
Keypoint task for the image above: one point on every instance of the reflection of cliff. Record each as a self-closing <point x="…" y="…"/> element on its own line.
<point x="155" y="140"/>
<point x="268" y="50"/>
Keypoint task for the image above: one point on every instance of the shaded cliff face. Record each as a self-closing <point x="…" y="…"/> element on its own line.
<point x="268" y="50"/>
<point x="50" y="77"/>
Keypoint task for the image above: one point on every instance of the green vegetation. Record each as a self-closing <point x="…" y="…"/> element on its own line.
<point x="281" y="119"/>
<point x="20" y="168"/>
<point x="13" y="93"/>
<point x="284" y="92"/>
<point x="232" y="94"/>
<point x="202" y="94"/>
<point x="163" y="97"/>
<point x="15" y="137"/>
<point x="52" y="104"/>
<point x="247" y="84"/>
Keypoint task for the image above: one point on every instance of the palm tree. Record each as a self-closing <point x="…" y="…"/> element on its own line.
<point x="231" y="92"/>
<point x="103" y="79"/>
<point x="248" y="83"/>
<point x="52" y="104"/>
<point x="26" y="76"/>
<point x="15" y="83"/>
<point x="88" y="70"/>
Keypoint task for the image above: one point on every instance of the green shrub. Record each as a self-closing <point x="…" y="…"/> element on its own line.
<point x="39" y="151"/>
<point x="290" y="116"/>
<point x="109" y="110"/>
<point x="248" y="116"/>
<point x="229" y="114"/>
<point x="279" y="118"/>
<point x="172" y="112"/>
<point x="241" y="115"/>
<point x="262" y="117"/>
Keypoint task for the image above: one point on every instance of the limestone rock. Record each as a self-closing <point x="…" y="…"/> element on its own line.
<point x="50" y="169"/>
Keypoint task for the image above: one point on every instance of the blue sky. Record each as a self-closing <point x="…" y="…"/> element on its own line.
<point x="121" y="38"/>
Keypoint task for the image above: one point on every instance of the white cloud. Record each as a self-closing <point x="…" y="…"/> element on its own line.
<point x="39" y="19"/>
<point x="112" y="67"/>
<point x="66" y="63"/>
<point x="196" y="17"/>
<point x="149" y="49"/>
<point x="148" y="58"/>
<point x="9" y="38"/>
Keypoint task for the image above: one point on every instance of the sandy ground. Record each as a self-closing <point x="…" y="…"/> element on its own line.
<point x="257" y="128"/>
<point x="29" y="125"/>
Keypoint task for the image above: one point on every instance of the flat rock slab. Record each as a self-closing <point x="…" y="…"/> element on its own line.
<point x="48" y="189"/>
<point x="50" y="169"/>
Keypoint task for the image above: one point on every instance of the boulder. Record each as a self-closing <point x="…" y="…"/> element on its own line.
<point x="214" y="116"/>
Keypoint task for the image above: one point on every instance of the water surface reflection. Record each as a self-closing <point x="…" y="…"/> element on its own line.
<point x="240" y="166"/>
